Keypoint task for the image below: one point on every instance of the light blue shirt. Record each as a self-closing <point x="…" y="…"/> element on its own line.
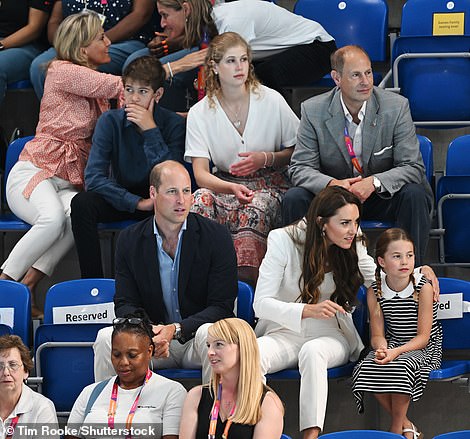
<point x="169" y="275"/>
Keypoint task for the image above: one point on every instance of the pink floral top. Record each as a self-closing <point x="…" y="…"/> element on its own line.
<point x="74" y="98"/>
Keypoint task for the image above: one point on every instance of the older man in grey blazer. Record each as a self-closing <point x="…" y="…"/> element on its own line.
<point x="362" y="138"/>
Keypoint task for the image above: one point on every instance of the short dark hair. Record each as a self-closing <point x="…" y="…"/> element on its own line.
<point x="8" y="342"/>
<point x="147" y="69"/>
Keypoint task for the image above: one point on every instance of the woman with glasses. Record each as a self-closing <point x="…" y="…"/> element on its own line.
<point x="19" y="405"/>
<point x="136" y="399"/>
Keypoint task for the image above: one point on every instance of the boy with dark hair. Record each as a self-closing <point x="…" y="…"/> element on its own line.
<point x="127" y="144"/>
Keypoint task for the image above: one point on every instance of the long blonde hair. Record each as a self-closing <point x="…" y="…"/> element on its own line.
<point x="250" y="385"/>
<point x="216" y="51"/>
<point x="75" y="32"/>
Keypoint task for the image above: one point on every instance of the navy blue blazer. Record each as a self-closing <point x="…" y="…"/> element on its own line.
<point x="207" y="285"/>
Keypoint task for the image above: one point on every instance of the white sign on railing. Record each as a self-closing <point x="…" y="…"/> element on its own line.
<point x="451" y="306"/>
<point x="7" y="316"/>
<point x="92" y="313"/>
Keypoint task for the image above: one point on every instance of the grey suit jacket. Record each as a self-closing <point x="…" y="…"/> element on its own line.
<point x="390" y="148"/>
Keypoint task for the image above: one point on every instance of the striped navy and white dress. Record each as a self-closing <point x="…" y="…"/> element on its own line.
<point x="409" y="372"/>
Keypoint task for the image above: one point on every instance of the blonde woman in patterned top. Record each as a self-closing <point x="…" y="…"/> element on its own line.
<point x="50" y="169"/>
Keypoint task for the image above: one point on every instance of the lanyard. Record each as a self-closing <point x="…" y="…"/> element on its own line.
<point x="349" y="147"/>
<point x="215" y="414"/>
<point x="11" y="427"/>
<point x="113" y="403"/>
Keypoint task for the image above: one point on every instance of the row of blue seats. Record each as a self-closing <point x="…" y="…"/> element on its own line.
<point x="59" y="342"/>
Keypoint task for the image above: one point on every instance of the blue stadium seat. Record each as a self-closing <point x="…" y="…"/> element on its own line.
<point x="417" y="15"/>
<point x="20" y="85"/>
<point x="453" y="211"/>
<point x="8" y="221"/>
<point x="5" y="329"/>
<point x="59" y="345"/>
<point x="432" y="73"/>
<point x="15" y="298"/>
<point x="361" y="22"/>
<point x="465" y="434"/>
<point x="458" y="156"/>
<point x="80" y="293"/>
<point x="455" y="333"/>
<point x="71" y="342"/>
<point x="362" y="434"/>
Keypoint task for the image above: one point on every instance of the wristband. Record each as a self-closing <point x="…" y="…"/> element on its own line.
<point x="265" y="159"/>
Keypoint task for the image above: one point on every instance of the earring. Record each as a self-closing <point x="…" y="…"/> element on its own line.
<point x="323" y="233"/>
<point x="216" y="72"/>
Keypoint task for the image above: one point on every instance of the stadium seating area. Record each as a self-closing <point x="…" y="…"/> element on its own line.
<point x="428" y="65"/>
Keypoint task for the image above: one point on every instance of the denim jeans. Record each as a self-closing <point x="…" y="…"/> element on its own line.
<point x="118" y="52"/>
<point x="14" y="65"/>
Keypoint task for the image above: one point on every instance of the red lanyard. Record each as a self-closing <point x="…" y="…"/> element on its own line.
<point x="113" y="404"/>
<point x="11" y="427"/>
<point x="352" y="154"/>
<point x="215" y="414"/>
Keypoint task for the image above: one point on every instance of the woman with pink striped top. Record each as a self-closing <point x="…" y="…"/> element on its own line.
<point x="50" y="169"/>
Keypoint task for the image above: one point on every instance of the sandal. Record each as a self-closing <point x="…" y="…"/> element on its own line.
<point x="416" y="434"/>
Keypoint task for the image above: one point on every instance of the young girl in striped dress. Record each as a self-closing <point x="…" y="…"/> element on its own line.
<point x="406" y="338"/>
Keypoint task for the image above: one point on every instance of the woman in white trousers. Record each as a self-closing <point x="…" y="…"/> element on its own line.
<point x="304" y="297"/>
<point x="50" y="168"/>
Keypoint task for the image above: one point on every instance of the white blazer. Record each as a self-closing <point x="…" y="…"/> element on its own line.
<point x="276" y="301"/>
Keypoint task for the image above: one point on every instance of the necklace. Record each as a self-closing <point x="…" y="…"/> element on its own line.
<point x="236" y="121"/>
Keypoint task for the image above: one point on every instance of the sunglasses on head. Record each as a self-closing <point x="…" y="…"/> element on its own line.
<point x="130" y="320"/>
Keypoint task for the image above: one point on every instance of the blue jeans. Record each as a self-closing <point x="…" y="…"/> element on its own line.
<point x="117" y="51"/>
<point x="14" y="65"/>
<point x="175" y="96"/>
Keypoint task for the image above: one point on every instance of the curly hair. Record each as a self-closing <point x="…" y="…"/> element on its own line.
<point x="217" y="49"/>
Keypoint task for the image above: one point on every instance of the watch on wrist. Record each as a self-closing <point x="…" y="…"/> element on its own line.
<point x="377" y="184"/>
<point x="177" y="335"/>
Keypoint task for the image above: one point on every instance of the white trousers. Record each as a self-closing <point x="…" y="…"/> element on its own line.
<point x="191" y="355"/>
<point x="285" y="349"/>
<point x="48" y="211"/>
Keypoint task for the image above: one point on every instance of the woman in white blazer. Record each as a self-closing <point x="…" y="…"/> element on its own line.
<point x="305" y="294"/>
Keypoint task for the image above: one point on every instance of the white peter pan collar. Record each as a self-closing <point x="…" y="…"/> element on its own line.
<point x="388" y="293"/>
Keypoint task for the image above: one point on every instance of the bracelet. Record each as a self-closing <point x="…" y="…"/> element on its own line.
<point x="265" y="159"/>
<point x="272" y="163"/>
<point x="170" y="72"/>
<point x="169" y="69"/>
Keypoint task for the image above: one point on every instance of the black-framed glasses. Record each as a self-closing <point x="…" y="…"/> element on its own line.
<point x="130" y="320"/>
<point x="12" y="366"/>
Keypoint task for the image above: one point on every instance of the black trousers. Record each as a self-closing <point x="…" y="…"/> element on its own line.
<point x="89" y="209"/>
<point x="410" y="208"/>
<point x="298" y="65"/>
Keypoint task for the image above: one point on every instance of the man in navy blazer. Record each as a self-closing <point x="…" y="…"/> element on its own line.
<point x="380" y="162"/>
<point x="177" y="268"/>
